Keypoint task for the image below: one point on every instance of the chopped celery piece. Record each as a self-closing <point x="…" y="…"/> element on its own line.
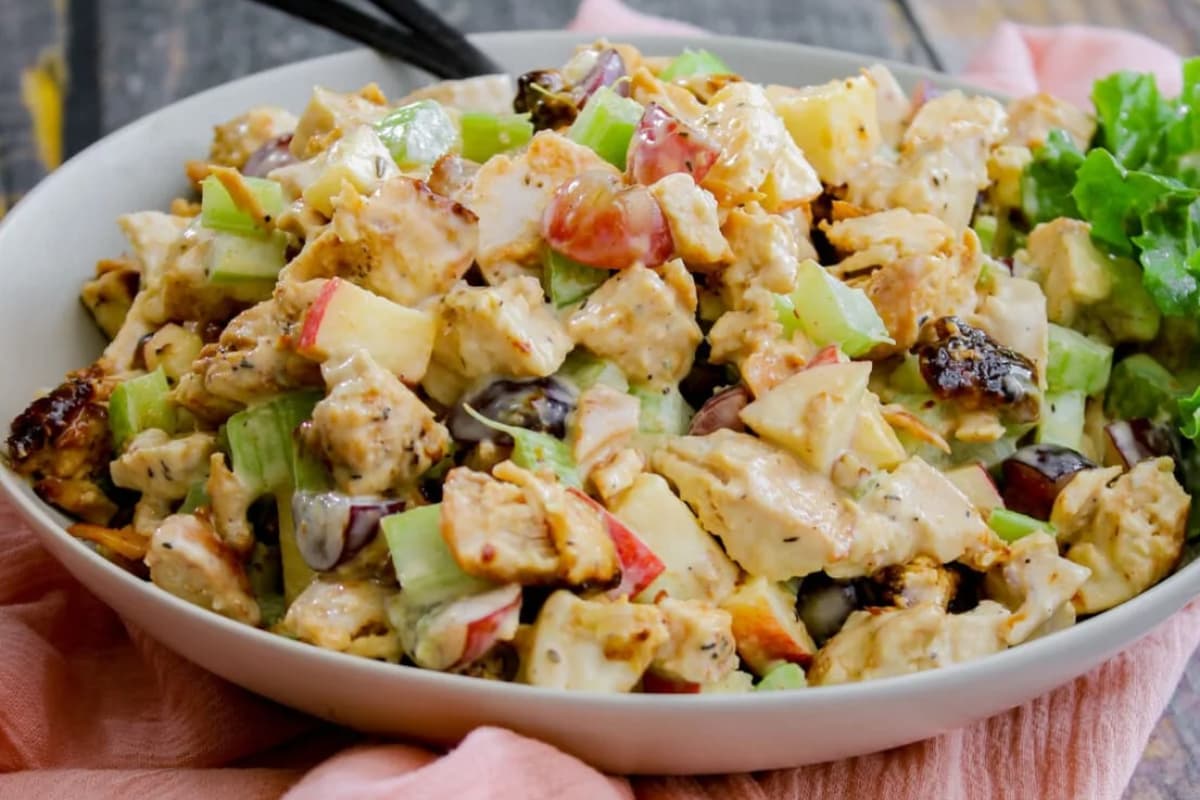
<point x="264" y="568"/>
<point x="907" y="377"/>
<point x="1010" y="525"/>
<point x="1062" y="419"/>
<point x="536" y="451"/>
<point x="220" y="213"/>
<point x="484" y="135"/>
<point x="417" y="134"/>
<point x="262" y="443"/>
<point x="140" y="404"/>
<point x="297" y="574"/>
<point x="985" y="227"/>
<point x="783" y="676"/>
<point x="1140" y="387"/>
<point x="1077" y="362"/>
<point x="424" y="565"/>
<point x="197" y="497"/>
<point x="568" y="281"/>
<point x="586" y="370"/>
<point x="606" y="125"/>
<point x="694" y="62"/>
<point x="236" y="259"/>
<point x="830" y="312"/>
<point x="664" y="411"/>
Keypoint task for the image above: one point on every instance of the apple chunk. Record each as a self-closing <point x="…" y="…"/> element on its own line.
<point x="639" y="565"/>
<point x="696" y="566"/>
<point x="460" y="631"/>
<point x="813" y="414"/>
<point x="766" y="626"/>
<point x="346" y="317"/>
<point x="974" y="481"/>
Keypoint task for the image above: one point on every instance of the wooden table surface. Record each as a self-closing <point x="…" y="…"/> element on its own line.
<point x="128" y="57"/>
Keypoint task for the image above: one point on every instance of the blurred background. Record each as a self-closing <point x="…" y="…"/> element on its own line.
<point x="73" y="70"/>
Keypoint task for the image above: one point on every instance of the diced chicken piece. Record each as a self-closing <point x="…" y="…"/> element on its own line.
<point x="510" y="194"/>
<point x="914" y="289"/>
<point x="1073" y="272"/>
<point x="403" y="242"/>
<point x="691" y="213"/>
<point x="757" y="150"/>
<point x="775" y="518"/>
<point x="1034" y="582"/>
<point x="605" y="421"/>
<point x="109" y="295"/>
<point x="230" y="503"/>
<point x="346" y="616"/>
<point x="249" y="363"/>
<point x="236" y="140"/>
<point x="153" y="238"/>
<point x="696" y="567"/>
<point x="524" y="528"/>
<point x="878" y="239"/>
<point x="700" y="646"/>
<point x="1032" y="117"/>
<point x="915" y="510"/>
<point x="593" y="645"/>
<point x="507" y="330"/>
<point x="752" y="339"/>
<point x="1013" y="312"/>
<point x="643" y="321"/>
<point x="953" y="115"/>
<point x="452" y="176"/>
<point x="330" y="115"/>
<point x="617" y="473"/>
<point x="489" y="93"/>
<point x="892" y="106"/>
<point x="1127" y="529"/>
<point x="766" y="626"/>
<point x="922" y="581"/>
<point x="157" y="465"/>
<point x="149" y="513"/>
<point x="375" y="431"/>
<point x="880" y="643"/>
<point x="942" y="164"/>
<point x="188" y="560"/>
<point x="62" y="441"/>
<point x="765" y="254"/>
<point x="676" y="99"/>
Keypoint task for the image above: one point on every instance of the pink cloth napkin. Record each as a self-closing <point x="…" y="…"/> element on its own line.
<point x="89" y="707"/>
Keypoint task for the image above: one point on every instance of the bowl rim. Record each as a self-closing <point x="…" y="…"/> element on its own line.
<point x="1172" y="593"/>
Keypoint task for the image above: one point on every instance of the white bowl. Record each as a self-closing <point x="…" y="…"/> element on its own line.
<point x="48" y="246"/>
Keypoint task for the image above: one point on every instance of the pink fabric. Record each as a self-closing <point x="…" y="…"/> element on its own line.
<point x="90" y="708"/>
<point x="1021" y="59"/>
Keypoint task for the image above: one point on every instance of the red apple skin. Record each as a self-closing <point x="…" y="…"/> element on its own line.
<point x="653" y="683"/>
<point x="595" y="220"/>
<point x="829" y="354"/>
<point x="481" y="633"/>
<point x="664" y="145"/>
<point x="639" y="565"/>
<point x="315" y="315"/>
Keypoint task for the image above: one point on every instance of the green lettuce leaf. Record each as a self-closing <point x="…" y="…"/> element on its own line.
<point x="1047" y="181"/>
<point x="1132" y="116"/>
